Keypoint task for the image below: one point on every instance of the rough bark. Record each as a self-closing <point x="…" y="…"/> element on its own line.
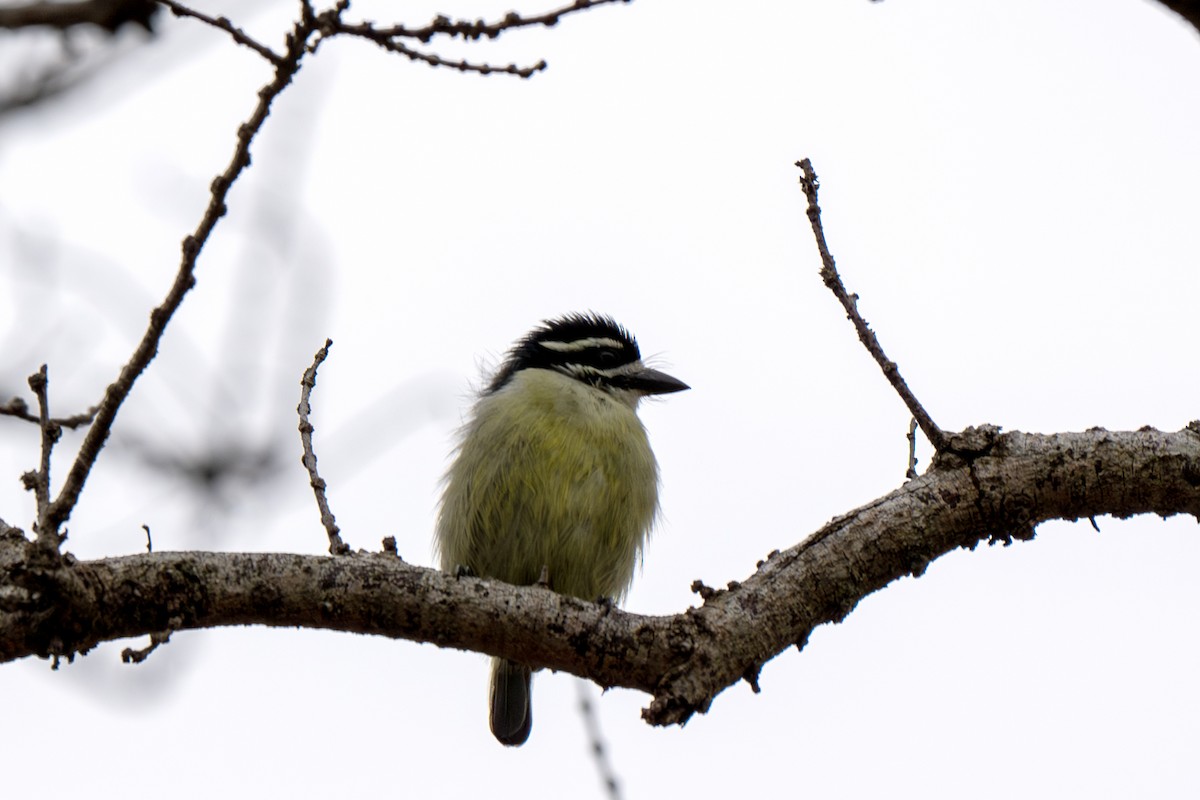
<point x="989" y="487"/>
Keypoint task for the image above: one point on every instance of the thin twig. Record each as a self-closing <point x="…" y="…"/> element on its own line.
<point x="17" y="407"/>
<point x="114" y="396"/>
<point x="591" y="724"/>
<point x="39" y="482"/>
<point x="131" y="656"/>
<point x="472" y="29"/>
<point x="110" y="15"/>
<point x="223" y="23"/>
<point x="829" y="273"/>
<point x="434" y="60"/>
<point x="327" y="23"/>
<point x="912" y="449"/>
<point x="307" y="383"/>
<point x="39" y="382"/>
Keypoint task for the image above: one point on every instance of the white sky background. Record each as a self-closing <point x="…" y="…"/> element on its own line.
<point x="1010" y="187"/>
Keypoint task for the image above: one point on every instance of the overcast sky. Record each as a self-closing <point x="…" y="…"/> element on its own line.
<point x="1009" y="187"/>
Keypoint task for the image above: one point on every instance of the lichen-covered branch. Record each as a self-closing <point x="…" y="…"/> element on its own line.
<point x="1007" y="485"/>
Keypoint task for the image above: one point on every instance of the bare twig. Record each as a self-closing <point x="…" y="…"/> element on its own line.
<point x="472" y="29"/>
<point x="131" y="656"/>
<point x="40" y="383"/>
<point x="223" y="23"/>
<point x="327" y="23"/>
<point x="829" y="273"/>
<point x="434" y="60"/>
<point x="912" y="449"/>
<point x="17" y="407"/>
<point x="336" y="546"/>
<point x="591" y="723"/>
<point x="39" y="482"/>
<point x="107" y="14"/>
<point x="60" y="509"/>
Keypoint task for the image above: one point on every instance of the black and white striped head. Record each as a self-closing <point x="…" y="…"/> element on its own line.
<point x="590" y="348"/>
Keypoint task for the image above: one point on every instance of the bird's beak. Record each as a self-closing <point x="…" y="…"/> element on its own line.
<point x="651" y="381"/>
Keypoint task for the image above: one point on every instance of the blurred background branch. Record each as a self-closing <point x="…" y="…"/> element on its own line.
<point x="108" y="15"/>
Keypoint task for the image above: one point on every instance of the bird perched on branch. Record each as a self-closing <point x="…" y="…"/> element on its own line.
<point x="554" y="477"/>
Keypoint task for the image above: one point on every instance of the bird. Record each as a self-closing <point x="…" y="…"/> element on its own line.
<point x="553" y="480"/>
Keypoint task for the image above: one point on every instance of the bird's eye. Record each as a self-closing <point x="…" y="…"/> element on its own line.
<point x="607" y="357"/>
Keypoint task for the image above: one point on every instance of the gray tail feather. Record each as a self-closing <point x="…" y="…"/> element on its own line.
<point x="512" y="715"/>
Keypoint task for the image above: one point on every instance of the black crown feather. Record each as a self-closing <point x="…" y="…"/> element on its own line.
<point x="532" y="352"/>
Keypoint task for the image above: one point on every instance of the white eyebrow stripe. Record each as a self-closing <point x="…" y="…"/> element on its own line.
<point x="583" y="344"/>
<point x="612" y="372"/>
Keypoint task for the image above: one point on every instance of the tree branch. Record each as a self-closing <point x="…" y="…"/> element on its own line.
<point x="327" y="23"/>
<point x="472" y="29"/>
<point x="1012" y="482"/>
<point x="114" y="396"/>
<point x="829" y="274"/>
<point x="462" y="65"/>
<point x="596" y="745"/>
<point x="18" y="408"/>
<point x="307" y="383"/>
<point x="107" y="14"/>
<point x="911" y="472"/>
<point x="39" y="482"/>
<point x="223" y="23"/>
<point x="390" y="37"/>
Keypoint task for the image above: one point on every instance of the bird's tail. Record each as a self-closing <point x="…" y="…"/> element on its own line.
<point x="512" y="714"/>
